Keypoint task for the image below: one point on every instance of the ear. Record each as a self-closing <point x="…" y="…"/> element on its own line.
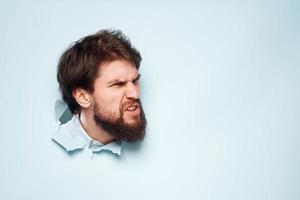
<point x="82" y="97"/>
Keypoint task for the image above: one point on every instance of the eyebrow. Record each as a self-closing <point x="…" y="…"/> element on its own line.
<point x="122" y="81"/>
<point x="137" y="78"/>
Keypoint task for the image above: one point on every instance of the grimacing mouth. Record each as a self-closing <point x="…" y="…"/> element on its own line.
<point x="132" y="106"/>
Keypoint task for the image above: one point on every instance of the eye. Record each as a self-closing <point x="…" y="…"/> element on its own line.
<point x="119" y="84"/>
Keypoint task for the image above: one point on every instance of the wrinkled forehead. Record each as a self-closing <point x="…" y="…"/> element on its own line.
<point x="118" y="69"/>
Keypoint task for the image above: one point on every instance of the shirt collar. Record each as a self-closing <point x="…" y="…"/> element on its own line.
<point x="72" y="136"/>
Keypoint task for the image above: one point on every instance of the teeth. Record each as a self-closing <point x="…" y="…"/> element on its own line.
<point x="131" y="108"/>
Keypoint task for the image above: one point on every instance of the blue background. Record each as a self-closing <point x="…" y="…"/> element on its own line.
<point x="220" y="83"/>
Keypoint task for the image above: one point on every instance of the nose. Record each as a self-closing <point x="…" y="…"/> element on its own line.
<point x="132" y="91"/>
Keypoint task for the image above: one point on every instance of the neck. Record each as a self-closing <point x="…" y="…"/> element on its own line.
<point x="92" y="129"/>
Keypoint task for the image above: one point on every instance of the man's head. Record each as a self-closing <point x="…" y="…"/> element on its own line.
<point x="100" y="73"/>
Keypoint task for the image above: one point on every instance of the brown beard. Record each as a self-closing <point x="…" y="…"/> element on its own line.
<point x="119" y="128"/>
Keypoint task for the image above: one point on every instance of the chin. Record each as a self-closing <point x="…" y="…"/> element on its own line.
<point x="131" y="122"/>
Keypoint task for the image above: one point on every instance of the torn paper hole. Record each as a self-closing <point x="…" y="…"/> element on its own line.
<point x="62" y="112"/>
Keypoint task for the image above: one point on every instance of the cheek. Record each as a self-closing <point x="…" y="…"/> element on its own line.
<point x="109" y="100"/>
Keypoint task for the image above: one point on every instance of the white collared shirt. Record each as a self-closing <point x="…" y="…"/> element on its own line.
<point x="71" y="136"/>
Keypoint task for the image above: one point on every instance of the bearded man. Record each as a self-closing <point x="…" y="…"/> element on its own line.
<point x="99" y="81"/>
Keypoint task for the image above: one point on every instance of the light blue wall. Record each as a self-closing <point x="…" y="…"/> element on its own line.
<point x="220" y="85"/>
